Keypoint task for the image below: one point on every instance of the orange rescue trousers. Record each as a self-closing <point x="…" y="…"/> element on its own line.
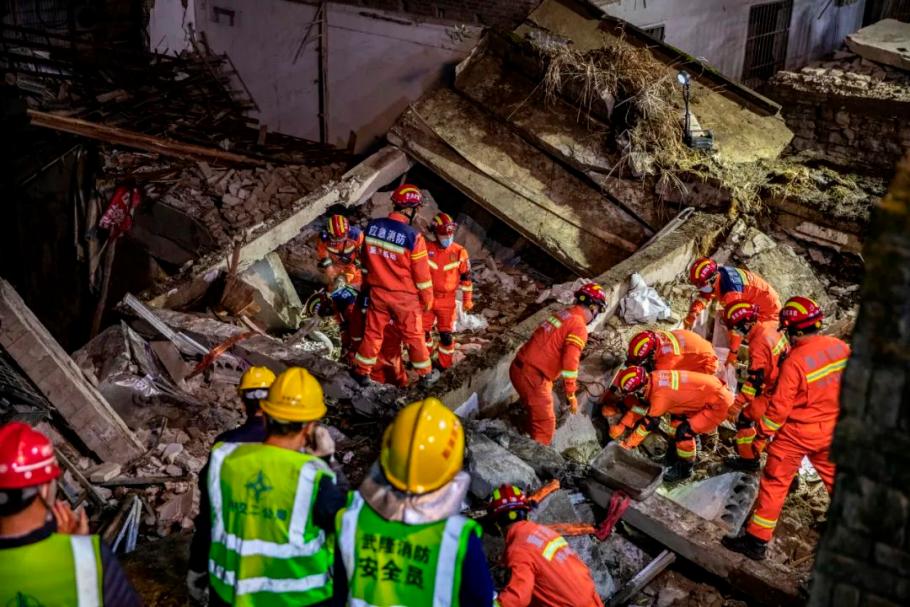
<point x="785" y="455"/>
<point x="405" y="310"/>
<point x="443" y="316"/>
<point x="536" y="394"/>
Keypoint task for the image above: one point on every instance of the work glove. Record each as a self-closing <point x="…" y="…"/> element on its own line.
<point x="197" y="584"/>
<point x="467" y="304"/>
<point x="320" y="442"/>
<point x="616" y="431"/>
<point x="572" y="401"/>
<point x="642" y="430"/>
<point x="696" y="308"/>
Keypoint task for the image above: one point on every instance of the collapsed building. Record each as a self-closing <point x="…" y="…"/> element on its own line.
<point x="558" y="148"/>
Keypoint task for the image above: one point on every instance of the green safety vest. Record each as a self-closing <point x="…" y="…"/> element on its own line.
<point x="389" y="563"/>
<point x="265" y="548"/>
<point x="59" y="570"/>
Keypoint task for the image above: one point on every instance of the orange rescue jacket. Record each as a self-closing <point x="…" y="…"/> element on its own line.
<point x="766" y="346"/>
<point x="703" y="399"/>
<point x="450" y="267"/>
<point x="685" y="351"/>
<point x="395" y="257"/>
<point x="555" y="347"/>
<point x="808" y="386"/>
<point x="735" y="284"/>
<point x="545" y="571"/>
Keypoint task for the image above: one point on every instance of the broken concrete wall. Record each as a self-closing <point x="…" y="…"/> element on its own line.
<point x="282" y="75"/>
<point x="60" y="380"/>
<point x="864" y="558"/>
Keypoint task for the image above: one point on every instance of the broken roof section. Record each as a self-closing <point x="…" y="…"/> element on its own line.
<point x="556" y="156"/>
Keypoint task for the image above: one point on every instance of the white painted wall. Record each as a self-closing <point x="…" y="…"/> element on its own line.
<point x="169" y="25"/>
<point x="716" y="29"/>
<point x="378" y="63"/>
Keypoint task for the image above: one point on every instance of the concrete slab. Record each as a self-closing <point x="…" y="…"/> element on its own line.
<point x="279" y="305"/>
<point x="490" y="466"/>
<point x="887" y="41"/>
<point x="725" y="499"/>
<point x="62" y="382"/>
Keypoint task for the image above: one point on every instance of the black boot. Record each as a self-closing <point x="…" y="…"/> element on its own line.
<point x="362" y="380"/>
<point x="428" y="380"/>
<point x="679" y="471"/>
<point x="742" y="464"/>
<point x="748" y="545"/>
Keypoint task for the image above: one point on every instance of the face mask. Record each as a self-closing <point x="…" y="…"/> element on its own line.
<point x="706" y="288"/>
<point x="445" y="242"/>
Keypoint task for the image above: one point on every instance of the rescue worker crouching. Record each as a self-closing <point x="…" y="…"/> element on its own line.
<point x="726" y="285"/>
<point x="800" y="416"/>
<point x="544" y="570"/>
<point x="273" y="504"/>
<point x="767" y="348"/>
<point x="254" y="386"/>
<point x="401" y="288"/>
<point x="338" y="251"/>
<point x="401" y="541"/>
<point x="695" y="403"/>
<point x="47" y="554"/>
<point x="553" y="352"/>
<point x="450" y="267"/>
<point x="679" y="350"/>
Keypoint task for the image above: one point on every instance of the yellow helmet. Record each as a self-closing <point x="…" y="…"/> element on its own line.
<point x="423" y="449"/>
<point x="255" y="378"/>
<point x="295" y="396"/>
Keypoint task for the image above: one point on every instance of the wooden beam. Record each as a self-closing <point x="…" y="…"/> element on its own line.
<point x="132" y="139"/>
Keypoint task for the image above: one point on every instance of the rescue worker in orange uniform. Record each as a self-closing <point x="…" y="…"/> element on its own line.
<point x="338" y="251"/>
<point x="696" y="403"/>
<point x="726" y="284"/>
<point x="450" y="268"/>
<point x="801" y="415"/>
<point x="679" y="350"/>
<point x="401" y="289"/>
<point x="767" y="347"/>
<point x="544" y="570"/>
<point x="554" y="351"/>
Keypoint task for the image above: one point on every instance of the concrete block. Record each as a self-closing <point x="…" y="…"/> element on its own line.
<point x="279" y="305"/>
<point x="887" y="42"/>
<point x="104" y="472"/>
<point x="490" y="466"/>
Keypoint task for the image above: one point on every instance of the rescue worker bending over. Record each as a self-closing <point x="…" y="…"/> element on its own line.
<point x="696" y="404"/>
<point x="544" y="570"/>
<point x="801" y="415"/>
<point x="273" y="504"/>
<point x="725" y="285"/>
<point x="554" y="351"/>
<point x="254" y="386"/>
<point x="338" y="251"/>
<point x="401" y="289"/>
<point x="450" y="268"/>
<point x="679" y="350"/>
<point x="767" y="347"/>
<point x="48" y="556"/>
<point x="401" y="539"/>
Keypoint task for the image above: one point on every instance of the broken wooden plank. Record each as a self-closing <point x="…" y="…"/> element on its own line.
<point x="60" y="380"/>
<point x="132" y="139"/>
<point x="144" y="481"/>
<point x="698" y="540"/>
<point x="642" y="579"/>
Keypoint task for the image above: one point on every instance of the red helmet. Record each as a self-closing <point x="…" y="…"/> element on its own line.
<point x="642" y="346"/>
<point x="507" y="498"/>
<point x="26" y="457"/>
<point x="739" y="312"/>
<point x="444" y="225"/>
<point x="591" y="294"/>
<point x="407" y="196"/>
<point x="631" y="379"/>
<point x="338" y="227"/>
<point x="800" y="313"/>
<point x="702" y="271"/>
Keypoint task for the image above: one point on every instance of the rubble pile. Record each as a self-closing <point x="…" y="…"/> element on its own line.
<point x="846" y="73"/>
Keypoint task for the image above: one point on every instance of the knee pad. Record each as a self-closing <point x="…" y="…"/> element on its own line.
<point x="446" y="339"/>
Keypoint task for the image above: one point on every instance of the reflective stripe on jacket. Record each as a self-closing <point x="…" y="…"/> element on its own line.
<point x="703" y="399"/>
<point x="450" y="268"/>
<point x="264" y="541"/>
<point x="395" y="256"/>
<point x="391" y="563"/>
<point x="58" y="570"/>
<point x="685" y="351"/>
<point x="555" y="347"/>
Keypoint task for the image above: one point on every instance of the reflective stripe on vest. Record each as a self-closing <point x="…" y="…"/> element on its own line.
<point x="451" y="548"/>
<point x="305" y="558"/>
<point x="57" y="570"/>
